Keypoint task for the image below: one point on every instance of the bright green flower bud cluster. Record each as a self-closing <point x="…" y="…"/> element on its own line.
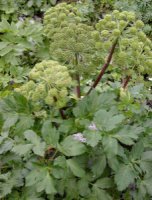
<point x="75" y="45"/>
<point x="58" y="17"/>
<point x="133" y="49"/>
<point x="112" y="26"/>
<point x="48" y="84"/>
<point x="71" y="41"/>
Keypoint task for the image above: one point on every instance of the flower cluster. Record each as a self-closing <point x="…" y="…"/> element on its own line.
<point x="133" y="50"/>
<point x="93" y="127"/>
<point x="71" y="41"/>
<point x="48" y="83"/>
<point x="59" y="17"/>
<point x="79" y="137"/>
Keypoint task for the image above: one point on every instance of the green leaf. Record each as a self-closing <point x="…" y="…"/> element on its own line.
<point x="53" y="2"/>
<point x="98" y="165"/>
<point x="71" y="147"/>
<point x="4" y="26"/>
<point x="32" y="137"/>
<point x="104" y="183"/>
<point x="30" y="194"/>
<point x="127" y="135"/>
<point x="25" y="122"/>
<point x="42" y="180"/>
<point x="93" y="137"/>
<point x="124" y="176"/>
<point x="148" y="183"/>
<point x="147" y="156"/>
<point x="46" y="185"/>
<point x="3" y="45"/>
<point x="75" y="168"/>
<point x="137" y="150"/>
<point x="30" y="3"/>
<point x="136" y="90"/>
<point x="83" y="187"/>
<point x="106" y="120"/>
<point x="50" y="134"/>
<point x="67" y="126"/>
<point x="6" y="146"/>
<point x="60" y="161"/>
<point x="39" y="149"/>
<point x="34" y="177"/>
<point x="58" y="173"/>
<point x="6" y="50"/>
<point x="110" y="145"/>
<point x="15" y="179"/>
<point x="98" y="193"/>
<point x="146" y="167"/>
<point x="38" y="146"/>
<point x="22" y="149"/>
<point x="5" y="189"/>
<point x="15" y="104"/>
<point x="93" y="103"/>
<point x="113" y="163"/>
<point x="21" y="103"/>
<point x="10" y="121"/>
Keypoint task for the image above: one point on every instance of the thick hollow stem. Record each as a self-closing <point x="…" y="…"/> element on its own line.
<point x="105" y="66"/>
<point x="125" y="82"/>
<point x="77" y="77"/>
<point x="78" y="90"/>
<point x="62" y="113"/>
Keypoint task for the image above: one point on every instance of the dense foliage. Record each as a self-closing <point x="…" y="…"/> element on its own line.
<point x="75" y="119"/>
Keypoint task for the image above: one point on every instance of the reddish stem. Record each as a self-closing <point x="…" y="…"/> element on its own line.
<point x="77" y="77"/>
<point x="78" y="90"/>
<point x="125" y="82"/>
<point x="62" y="113"/>
<point x="103" y="69"/>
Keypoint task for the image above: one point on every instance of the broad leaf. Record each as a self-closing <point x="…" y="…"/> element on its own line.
<point x="50" y="134"/>
<point x="38" y="146"/>
<point x="104" y="183"/>
<point x="98" y="165"/>
<point x="147" y="156"/>
<point x="6" y="146"/>
<point x="127" y="135"/>
<point x="110" y="145"/>
<point x="75" y="168"/>
<point x="42" y="180"/>
<point x="25" y="122"/>
<point x="83" y="187"/>
<point x="22" y="149"/>
<point x="124" y="176"/>
<point x="46" y="185"/>
<point x="107" y="121"/>
<point x="93" y="137"/>
<point x="98" y="193"/>
<point x="71" y="147"/>
<point x="148" y="183"/>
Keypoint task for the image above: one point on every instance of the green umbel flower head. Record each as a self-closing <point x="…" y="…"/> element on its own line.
<point x="48" y="84"/>
<point x="58" y="17"/>
<point x="71" y="41"/>
<point x="133" y="49"/>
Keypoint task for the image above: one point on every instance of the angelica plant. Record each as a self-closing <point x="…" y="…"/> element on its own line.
<point x="53" y="147"/>
<point x="48" y="84"/>
<point x="120" y="38"/>
<point x="71" y="41"/>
